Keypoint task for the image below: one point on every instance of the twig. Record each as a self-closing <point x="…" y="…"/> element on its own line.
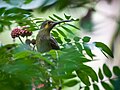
<point x="21" y="40"/>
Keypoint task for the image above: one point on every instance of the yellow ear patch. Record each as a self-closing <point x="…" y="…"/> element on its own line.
<point x="46" y="26"/>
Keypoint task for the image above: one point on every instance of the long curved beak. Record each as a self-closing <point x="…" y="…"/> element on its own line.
<point x="55" y="23"/>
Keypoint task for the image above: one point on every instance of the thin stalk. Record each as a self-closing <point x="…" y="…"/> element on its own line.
<point x="21" y="40"/>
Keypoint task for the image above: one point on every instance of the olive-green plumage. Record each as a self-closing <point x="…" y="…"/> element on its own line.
<point x="44" y="40"/>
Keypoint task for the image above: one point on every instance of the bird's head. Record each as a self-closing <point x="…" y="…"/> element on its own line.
<point x="48" y="25"/>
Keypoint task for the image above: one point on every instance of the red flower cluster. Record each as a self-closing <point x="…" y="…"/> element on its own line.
<point x="16" y="32"/>
<point x="20" y="32"/>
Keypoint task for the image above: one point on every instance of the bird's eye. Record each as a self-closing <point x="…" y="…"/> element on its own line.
<point x="49" y="22"/>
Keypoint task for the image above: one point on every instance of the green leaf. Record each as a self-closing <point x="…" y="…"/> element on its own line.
<point x="68" y="30"/>
<point x="86" y="39"/>
<point x="112" y="81"/>
<point x="67" y="17"/>
<point x="107" y="71"/>
<point x="67" y="45"/>
<point x="59" y="18"/>
<point x="106" y="86"/>
<point x="8" y="46"/>
<point x="83" y="59"/>
<point x="2" y="10"/>
<point x="79" y="46"/>
<point x="52" y="18"/>
<point x="95" y="87"/>
<point x="76" y="39"/>
<point x="88" y="51"/>
<point x="5" y="22"/>
<point x="62" y="33"/>
<point x="1" y="28"/>
<point x="100" y="74"/>
<point x="90" y="72"/>
<point x="16" y="11"/>
<point x="22" y="54"/>
<point x="70" y="61"/>
<point x="86" y="88"/>
<point x="52" y="53"/>
<point x="67" y="40"/>
<point x="59" y="40"/>
<point x="104" y="47"/>
<point x="62" y="5"/>
<point x="116" y="70"/>
<point x="38" y="18"/>
<point x="69" y="67"/>
<point x="104" y="54"/>
<point x="57" y="74"/>
<point x="55" y="34"/>
<point x="27" y="1"/>
<point x="63" y="75"/>
<point x="74" y="57"/>
<point x="83" y="77"/>
<point x="38" y="55"/>
<point x="69" y="76"/>
<point x="73" y="26"/>
<point x="39" y="21"/>
<point x="71" y="83"/>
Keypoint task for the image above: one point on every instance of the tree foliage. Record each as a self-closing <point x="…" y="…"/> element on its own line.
<point x="22" y="67"/>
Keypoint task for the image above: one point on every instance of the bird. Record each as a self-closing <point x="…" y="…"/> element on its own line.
<point x="44" y="40"/>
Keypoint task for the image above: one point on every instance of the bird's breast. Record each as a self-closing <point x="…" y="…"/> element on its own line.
<point x="43" y="43"/>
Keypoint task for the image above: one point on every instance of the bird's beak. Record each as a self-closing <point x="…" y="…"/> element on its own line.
<point x="55" y="23"/>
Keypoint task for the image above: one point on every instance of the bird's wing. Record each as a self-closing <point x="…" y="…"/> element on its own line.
<point x="54" y="43"/>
